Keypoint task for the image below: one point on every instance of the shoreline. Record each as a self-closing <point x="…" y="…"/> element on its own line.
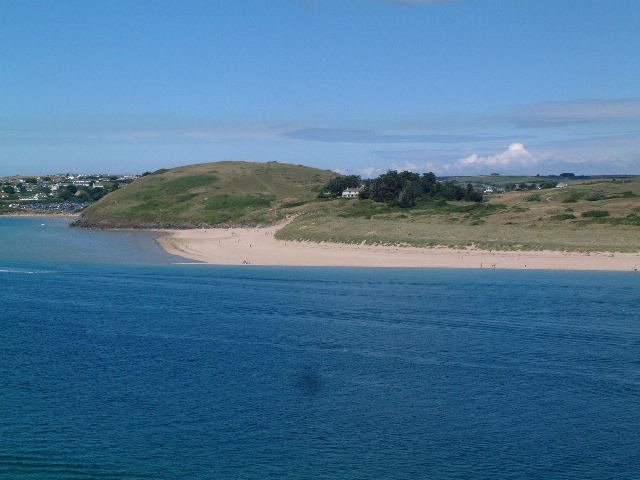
<point x="258" y="246"/>
<point x="39" y="215"/>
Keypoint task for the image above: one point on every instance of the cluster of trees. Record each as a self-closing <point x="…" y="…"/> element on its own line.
<point x="9" y="189"/>
<point x="339" y="184"/>
<point x="403" y="189"/>
<point x="14" y="189"/>
<point x="87" y="194"/>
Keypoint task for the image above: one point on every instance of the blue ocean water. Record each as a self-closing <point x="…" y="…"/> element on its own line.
<point x="160" y="371"/>
<point x="50" y="240"/>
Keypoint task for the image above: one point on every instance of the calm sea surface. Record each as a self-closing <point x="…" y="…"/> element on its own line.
<point x="116" y="364"/>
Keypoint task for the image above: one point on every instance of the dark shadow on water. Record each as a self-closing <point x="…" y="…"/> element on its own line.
<point x="309" y="381"/>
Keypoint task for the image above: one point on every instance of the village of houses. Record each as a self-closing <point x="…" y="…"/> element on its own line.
<point x="61" y="193"/>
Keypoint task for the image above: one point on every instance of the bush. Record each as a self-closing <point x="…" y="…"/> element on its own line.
<point x="595" y="196"/>
<point x="573" y="197"/>
<point x="595" y="213"/>
<point x="534" y="198"/>
<point x="563" y="216"/>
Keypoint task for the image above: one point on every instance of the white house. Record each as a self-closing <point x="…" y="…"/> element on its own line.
<point x="351" y="193"/>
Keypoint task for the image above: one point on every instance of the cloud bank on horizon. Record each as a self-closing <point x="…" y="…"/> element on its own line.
<point x="549" y="114"/>
<point x="448" y="86"/>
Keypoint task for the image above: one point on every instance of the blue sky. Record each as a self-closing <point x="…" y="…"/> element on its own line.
<point x="360" y="86"/>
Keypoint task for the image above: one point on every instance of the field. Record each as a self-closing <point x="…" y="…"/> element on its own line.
<point x="224" y="193"/>
<point x="594" y="216"/>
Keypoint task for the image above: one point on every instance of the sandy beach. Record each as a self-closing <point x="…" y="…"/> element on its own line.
<point x="258" y="246"/>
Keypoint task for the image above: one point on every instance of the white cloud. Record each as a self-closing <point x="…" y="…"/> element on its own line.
<point x="516" y="156"/>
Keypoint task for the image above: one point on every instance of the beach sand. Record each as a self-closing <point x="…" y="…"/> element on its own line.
<point x="258" y="246"/>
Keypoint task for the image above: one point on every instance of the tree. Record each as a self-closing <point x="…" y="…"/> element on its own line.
<point x="429" y="183"/>
<point x="404" y="189"/>
<point x="409" y="194"/>
<point x="64" y="194"/>
<point x="67" y="192"/>
<point x="82" y="195"/>
<point x="471" y="194"/>
<point x="96" y="194"/>
<point x="339" y="184"/>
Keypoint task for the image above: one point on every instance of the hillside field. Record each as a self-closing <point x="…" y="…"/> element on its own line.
<point x="223" y="193"/>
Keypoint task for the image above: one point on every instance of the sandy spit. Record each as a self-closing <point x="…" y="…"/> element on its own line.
<point x="258" y="246"/>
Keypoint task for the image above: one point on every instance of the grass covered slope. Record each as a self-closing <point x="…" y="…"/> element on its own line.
<point x="596" y="216"/>
<point x="224" y="193"/>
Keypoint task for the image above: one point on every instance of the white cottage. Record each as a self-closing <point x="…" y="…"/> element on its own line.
<point x="351" y="193"/>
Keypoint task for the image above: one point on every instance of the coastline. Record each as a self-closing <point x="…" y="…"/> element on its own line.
<point x="39" y="215"/>
<point x="258" y="246"/>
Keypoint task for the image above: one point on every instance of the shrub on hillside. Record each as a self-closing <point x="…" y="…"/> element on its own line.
<point x="595" y="213"/>
<point x="595" y="196"/>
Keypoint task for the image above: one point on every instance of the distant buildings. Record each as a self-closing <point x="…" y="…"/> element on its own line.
<point x="61" y="192"/>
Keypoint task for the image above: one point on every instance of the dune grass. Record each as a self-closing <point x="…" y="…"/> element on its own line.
<point x="504" y="222"/>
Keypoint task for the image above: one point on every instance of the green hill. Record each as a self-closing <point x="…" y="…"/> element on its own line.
<point x="224" y="193"/>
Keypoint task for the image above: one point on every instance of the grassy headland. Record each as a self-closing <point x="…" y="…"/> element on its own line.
<point x="224" y="193"/>
<point x="586" y="215"/>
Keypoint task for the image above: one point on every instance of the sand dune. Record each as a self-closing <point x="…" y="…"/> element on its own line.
<point x="257" y="246"/>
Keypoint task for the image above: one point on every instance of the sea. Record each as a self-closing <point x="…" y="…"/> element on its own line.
<point x="118" y="361"/>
